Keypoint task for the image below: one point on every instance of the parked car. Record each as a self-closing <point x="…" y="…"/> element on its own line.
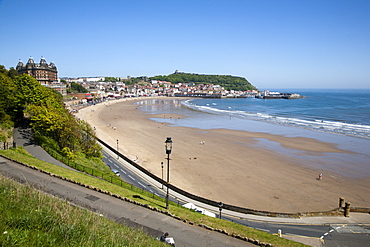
<point x="115" y="172"/>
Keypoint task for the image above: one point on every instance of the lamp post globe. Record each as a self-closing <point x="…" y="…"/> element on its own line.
<point x="168" y="145"/>
<point x="220" y="205"/>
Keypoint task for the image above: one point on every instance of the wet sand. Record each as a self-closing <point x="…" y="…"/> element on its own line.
<point x="231" y="166"/>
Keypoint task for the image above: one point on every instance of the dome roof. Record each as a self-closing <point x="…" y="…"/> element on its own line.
<point x="30" y="61"/>
<point x="20" y="63"/>
<point x="43" y="61"/>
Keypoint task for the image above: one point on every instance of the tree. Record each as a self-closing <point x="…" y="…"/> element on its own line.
<point x="111" y="79"/>
<point x="12" y="73"/>
<point x="7" y="91"/>
<point x="52" y="125"/>
<point x="227" y="81"/>
<point x="77" y="88"/>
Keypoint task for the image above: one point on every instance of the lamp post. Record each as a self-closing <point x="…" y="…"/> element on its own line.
<point x="168" y="146"/>
<point x="162" y="174"/>
<point x="117" y="150"/>
<point x="220" y="205"/>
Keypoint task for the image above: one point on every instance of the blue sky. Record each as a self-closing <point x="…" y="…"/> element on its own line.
<point x="274" y="44"/>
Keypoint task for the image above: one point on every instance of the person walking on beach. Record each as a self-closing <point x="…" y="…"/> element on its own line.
<point x="320" y="176"/>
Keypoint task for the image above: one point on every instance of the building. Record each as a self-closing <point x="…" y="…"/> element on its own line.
<point x="46" y="74"/>
<point x="43" y="72"/>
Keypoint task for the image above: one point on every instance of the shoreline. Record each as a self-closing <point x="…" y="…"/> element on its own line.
<point x="232" y="166"/>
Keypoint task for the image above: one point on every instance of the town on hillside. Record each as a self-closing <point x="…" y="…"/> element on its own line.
<point x="90" y="89"/>
<point x="117" y="87"/>
<point x="101" y="87"/>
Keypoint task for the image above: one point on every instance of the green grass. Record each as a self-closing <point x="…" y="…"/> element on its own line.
<point x="92" y="165"/>
<point x="31" y="218"/>
<point x="145" y="198"/>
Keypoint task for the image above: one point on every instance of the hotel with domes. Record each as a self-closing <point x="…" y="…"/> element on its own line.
<point x="46" y="74"/>
<point x="43" y="72"/>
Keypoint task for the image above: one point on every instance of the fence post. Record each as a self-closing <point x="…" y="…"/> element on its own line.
<point x="341" y="201"/>
<point x="347" y="209"/>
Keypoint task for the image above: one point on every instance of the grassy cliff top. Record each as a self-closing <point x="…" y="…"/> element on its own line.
<point x="227" y="81"/>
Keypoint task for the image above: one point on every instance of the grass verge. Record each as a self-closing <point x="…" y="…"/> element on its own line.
<point x="32" y="218"/>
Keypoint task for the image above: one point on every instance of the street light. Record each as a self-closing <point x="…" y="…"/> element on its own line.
<point x="168" y="146"/>
<point x="220" y="205"/>
<point x="162" y="174"/>
<point x="117" y="150"/>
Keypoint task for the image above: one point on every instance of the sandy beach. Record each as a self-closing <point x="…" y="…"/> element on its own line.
<point x="230" y="166"/>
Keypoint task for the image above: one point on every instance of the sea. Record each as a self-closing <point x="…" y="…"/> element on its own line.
<point x="338" y="116"/>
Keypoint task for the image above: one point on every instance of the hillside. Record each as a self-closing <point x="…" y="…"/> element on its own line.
<point x="32" y="218"/>
<point x="227" y="81"/>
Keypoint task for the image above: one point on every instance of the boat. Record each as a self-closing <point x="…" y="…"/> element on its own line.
<point x="269" y="95"/>
<point x="277" y="95"/>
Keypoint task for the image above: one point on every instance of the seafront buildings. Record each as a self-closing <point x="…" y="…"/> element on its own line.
<point x="102" y="87"/>
<point x="117" y="87"/>
<point x="99" y="87"/>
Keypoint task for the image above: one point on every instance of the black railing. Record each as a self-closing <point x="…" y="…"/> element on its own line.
<point x="114" y="179"/>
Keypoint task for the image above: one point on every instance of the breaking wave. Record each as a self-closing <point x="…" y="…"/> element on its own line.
<point x="311" y="123"/>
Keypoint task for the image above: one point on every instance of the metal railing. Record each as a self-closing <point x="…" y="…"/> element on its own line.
<point x="114" y="179"/>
